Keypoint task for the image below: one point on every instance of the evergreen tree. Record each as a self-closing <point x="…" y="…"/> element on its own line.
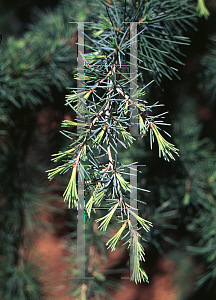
<point x="42" y="55"/>
<point x="182" y="191"/>
<point x="106" y="124"/>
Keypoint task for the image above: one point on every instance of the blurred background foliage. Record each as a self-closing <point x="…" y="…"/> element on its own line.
<point x="38" y="61"/>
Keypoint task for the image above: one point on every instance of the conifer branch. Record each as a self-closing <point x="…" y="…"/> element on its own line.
<point x="107" y="102"/>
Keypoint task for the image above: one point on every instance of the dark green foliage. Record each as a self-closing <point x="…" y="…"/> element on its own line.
<point x="32" y="69"/>
<point x="20" y="282"/>
<point x="199" y="162"/>
<point x="41" y="60"/>
<point x="208" y="78"/>
<point x="34" y="72"/>
<point x="21" y="203"/>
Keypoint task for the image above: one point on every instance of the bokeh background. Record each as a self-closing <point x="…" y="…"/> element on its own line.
<point x="37" y="231"/>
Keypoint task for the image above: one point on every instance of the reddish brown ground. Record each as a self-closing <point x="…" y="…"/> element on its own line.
<point x="49" y="252"/>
